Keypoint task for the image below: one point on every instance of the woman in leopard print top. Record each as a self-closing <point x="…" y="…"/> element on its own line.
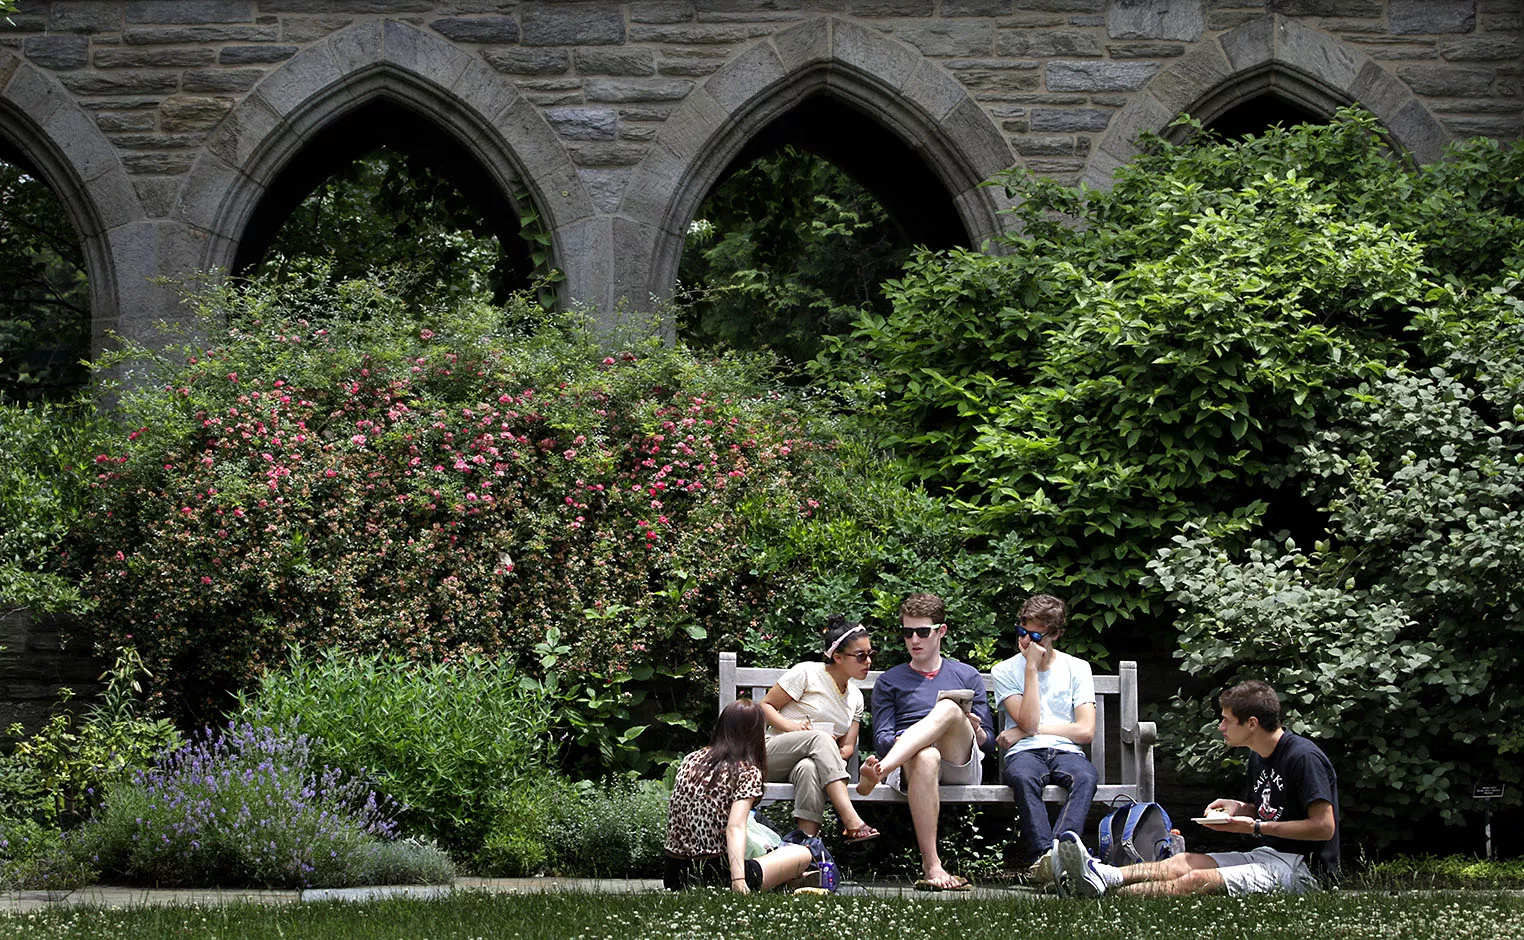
<point x="716" y="788"/>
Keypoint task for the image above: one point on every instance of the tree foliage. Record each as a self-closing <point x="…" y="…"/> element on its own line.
<point x="1143" y="356"/>
<point x="787" y="250"/>
<point x="44" y="293"/>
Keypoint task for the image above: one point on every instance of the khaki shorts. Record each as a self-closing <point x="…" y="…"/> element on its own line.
<point x="1264" y="870"/>
<point x="970" y="773"/>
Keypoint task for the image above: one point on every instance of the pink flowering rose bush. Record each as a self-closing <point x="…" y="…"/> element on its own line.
<point x="321" y="466"/>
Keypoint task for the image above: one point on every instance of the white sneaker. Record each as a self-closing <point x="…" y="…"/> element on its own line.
<point x="1074" y="868"/>
<point x="1041" y="871"/>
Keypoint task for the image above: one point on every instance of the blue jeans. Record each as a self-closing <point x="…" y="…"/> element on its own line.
<point x="1027" y="772"/>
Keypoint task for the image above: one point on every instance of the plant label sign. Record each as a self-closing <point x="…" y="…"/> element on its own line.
<point x="1487" y="791"/>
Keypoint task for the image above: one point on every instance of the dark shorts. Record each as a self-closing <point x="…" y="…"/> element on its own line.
<point x="710" y="872"/>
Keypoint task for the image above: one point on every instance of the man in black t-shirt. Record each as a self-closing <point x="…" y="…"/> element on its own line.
<point x="1292" y="809"/>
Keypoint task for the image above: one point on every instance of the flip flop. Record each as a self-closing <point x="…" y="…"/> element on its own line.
<point x="959" y="884"/>
<point x="861" y="834"/>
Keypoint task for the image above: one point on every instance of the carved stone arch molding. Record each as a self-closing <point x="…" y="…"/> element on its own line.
<point x="458" y="92"/>
<point x="1270" y="54"/>
<point x="885" y="79"/>
<point x="42" y="123"/>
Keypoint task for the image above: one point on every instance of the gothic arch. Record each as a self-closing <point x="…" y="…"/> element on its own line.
<point x="386" y="60"/>
<point x="892" y="82"/>
<point x="1275" y="55"/>
<point x="61" y="143"/>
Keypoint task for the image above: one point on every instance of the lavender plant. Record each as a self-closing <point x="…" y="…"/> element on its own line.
<point x="247" y="805"/>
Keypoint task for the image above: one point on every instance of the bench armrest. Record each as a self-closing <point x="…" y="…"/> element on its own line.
<point x="1144" y="734"/>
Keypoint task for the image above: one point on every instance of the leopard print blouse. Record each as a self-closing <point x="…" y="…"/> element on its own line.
<point x="700" y="805"/>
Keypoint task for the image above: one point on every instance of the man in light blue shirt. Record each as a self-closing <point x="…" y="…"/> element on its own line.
<point x="1046" y="727"/>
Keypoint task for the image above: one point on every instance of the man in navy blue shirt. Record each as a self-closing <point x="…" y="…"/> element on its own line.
<point x="1292" y="811"/>
<point x="931" y="725"/>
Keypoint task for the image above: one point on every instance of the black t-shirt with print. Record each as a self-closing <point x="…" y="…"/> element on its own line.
<point x="1281" y="787"/>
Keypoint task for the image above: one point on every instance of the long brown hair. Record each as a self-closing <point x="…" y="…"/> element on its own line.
<point x="738" y="737"/>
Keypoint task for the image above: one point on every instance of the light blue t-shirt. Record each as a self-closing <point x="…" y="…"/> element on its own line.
<point x="1064" y="686"/>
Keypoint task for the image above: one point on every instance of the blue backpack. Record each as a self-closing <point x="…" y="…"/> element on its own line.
<point x="1136" y="833"/>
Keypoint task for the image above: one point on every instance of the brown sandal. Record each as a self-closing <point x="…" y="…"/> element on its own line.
<point x="860" y="834"/>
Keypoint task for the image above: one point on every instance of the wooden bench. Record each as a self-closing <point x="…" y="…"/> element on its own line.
<point x="1123" y="749"/>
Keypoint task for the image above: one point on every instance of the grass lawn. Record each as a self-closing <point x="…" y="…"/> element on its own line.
<point x="621" y="917"/>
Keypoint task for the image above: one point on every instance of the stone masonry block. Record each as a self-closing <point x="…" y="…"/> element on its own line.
<point x="1144" y="113"/>
<point x="1145" y="50"/>
<point x="421" y="53"/>
<point x="636" y="89"/>
<point x="125" y="121"/>
<point x="251" y="55"/>
<point x="543" y="155"/>
<point x="1070" y="120"/>
<point x="85" y="17"/>
<point x="571" y="24"/>
<point x="529" y="61"/>
<point x="662" y="12"/>
<point x="1155" y="19"/>
<point x="1046" y="44"/>
<point x="206" y="190"/>
<point x="489" y="29"/>
<point x="805" y="45"/>
<point x="583" y="250"/>
<point x="219" y="81"/>
<point x="584" y="123"/>
<point x="948" y="38"/>
<point x="484" y="91"/>
<point x="160" y="163"/>
<point x="866" y="51"/>
<point x="1186" y="80"/>
<point x="194" y="113"/>
<point x="57" y="52"/>
<point x="934" y="91"/>
<point x="1422" y="17"/>
<point x="977" y="139"/>
<point x="294" y="83"/>
<point x="604" y="153"/>
<point x="86" y="147"/>
<point x="1092" y="76"/>
<point x="1445" y="81"/>
<point x="32" y="93"/>
<point x="243" y="131"/>
<point x="357" y="48"/>
<point x="692" y="128"/>
<point x="1419" y="131"/>
<point x="1314" y="53"/>
<point x="173" y="35"/>
<point x="1250" y="45"/>
<point x="604" y="61"/>
<point x="605" y="186"/>
<point x="1342" y="8"/>
<point x="119" y="83"/>
<point x="1491" y="49"/>
<point x="346" y="6"/>
<point x="138" y="57"/>
<point x="747" y="77"/>
<point x="190" y="11"/>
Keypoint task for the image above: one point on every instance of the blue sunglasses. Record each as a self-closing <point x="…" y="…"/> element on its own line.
<point x="1022" y="631"/>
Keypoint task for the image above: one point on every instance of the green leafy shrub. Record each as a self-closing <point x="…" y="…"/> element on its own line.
<point x="44" y="489"/>
<point x="1428" y="873"/>
<point x="611" y="831"/>
<point x="1396" y="635"/>
<point x="517" y="842"/>
<point x="442" y="739"/>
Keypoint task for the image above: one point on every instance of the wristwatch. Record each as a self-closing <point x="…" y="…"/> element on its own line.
<point x="1256" y="828"/>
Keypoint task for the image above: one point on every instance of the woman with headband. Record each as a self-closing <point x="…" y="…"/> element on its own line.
<point x="812" y="721"/>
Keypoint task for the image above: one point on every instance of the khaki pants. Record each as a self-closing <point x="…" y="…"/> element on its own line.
<point x="809" y="760"/>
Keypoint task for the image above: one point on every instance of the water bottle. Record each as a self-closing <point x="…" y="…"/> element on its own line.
<point x="828" y="874"/>
<point x="1176" y="843"/>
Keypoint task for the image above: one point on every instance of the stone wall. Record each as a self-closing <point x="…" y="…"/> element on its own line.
<point x="34" y="665"/>
<point x="163" y="123"/>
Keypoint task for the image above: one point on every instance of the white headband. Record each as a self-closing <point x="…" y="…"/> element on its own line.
<point x="831" y="650"/>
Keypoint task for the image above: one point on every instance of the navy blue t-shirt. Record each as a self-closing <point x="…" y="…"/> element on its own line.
<point x="1296" y="774"/>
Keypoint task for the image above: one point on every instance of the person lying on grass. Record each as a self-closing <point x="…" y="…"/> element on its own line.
<point x="712" y="797"/>
<point x="1292" y="810"/>
<point x="813" y="715"/>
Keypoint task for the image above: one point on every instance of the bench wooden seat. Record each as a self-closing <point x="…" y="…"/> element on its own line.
<point x="1123" y="749"/>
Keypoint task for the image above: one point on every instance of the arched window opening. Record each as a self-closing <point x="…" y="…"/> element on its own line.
<point x="44" y="289"/>
<point x="384" y="189"/>
<point x="1259" y="114"/>
<point x="796" y="238"/>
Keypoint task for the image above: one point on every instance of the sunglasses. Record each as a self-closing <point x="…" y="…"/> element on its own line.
<point x="1036" y="637"/>
<point x="922" y="632"/>
<point x="861" y="656"/>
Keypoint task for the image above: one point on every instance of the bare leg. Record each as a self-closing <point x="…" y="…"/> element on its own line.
<point x="946" y="726"/>
<point x="836" y="792"/>
<point x="784" y="863"/>
<point x="1191" y="873"/>
<point x="924" y="769"/>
